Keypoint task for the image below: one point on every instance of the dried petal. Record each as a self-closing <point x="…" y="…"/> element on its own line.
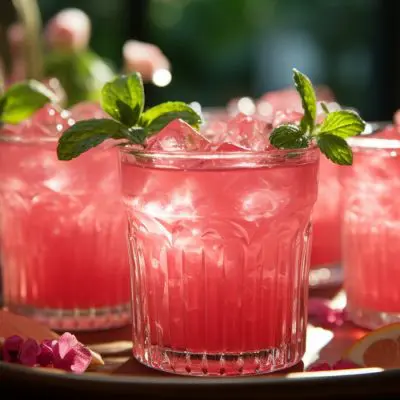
<point x="320" y="366"/>
<point x="46" y="355"/>
<point x="11" y="348"/>
<point x="70" y="355"/>
<point x="29" y="352"/>
<point x="66" y="342"/>
<point x="345" y="364"/>
<point x="320" y="313"/>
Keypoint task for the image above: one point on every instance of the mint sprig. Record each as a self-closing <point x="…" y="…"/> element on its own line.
<point x="329" y="136"/>
<point x="23" y="99"/>
<point x="124" y="100"/>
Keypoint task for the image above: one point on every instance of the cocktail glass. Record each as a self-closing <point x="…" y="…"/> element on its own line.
<point x="371" y="229"/>
<point x="219" y="246"/>
<point x="63" y="230"/>
<point x="325" y="265"/>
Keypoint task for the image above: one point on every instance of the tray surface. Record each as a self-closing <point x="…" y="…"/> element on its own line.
<point x="123" y="376"/>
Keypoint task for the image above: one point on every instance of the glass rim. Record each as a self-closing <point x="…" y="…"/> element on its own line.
<point x="10" y="138"/>
<point x="366" y="141"/>
<point x="220" y="155"/>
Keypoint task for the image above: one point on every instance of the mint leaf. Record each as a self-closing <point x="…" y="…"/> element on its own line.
<point x="84" y="135"/>
<point x="123" y="98"/>
<point x="136" y="134"/>
<point x="23" y="99"/>
<point x="157" y="117"/>
<point x="288" y="137"/>
<point x="325" y="108"/>
<point x="308" y="98"/>
<point x="335" y="148"/>
<point x="343" y="123"/>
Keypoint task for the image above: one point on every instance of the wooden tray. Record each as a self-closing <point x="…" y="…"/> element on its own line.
<point x="124" y="377"/>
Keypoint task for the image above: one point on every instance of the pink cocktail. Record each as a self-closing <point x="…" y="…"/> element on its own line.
<point x="325" y="268"/>
<point x="219" y="238"/>
<point x="284" y="106"/>
<point x="371" y="229"/>
<point x="63" y="244"/>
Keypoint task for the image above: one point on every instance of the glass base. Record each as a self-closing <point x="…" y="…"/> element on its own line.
<point x="325" y="276"/>
<point x="371" y="319"/>
<point x="77" y="319"/>
<point x="220" y="364"/>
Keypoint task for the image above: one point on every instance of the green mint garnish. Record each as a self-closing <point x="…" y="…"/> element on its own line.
<point x="342" y="123"/>
<point x="124" y="100"/>
<point x="289" y="137"/>
<point x="23" y="99"/>
<point x="325" y="108"/>
<point x="335" y="148"/>
<point x="84" y="135"/>
<point x="329" y="136"/>
<point x="157" y="117"/>
<point x="308" y="98"/>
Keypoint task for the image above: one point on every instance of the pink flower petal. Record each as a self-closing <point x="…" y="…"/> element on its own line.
<point x="66" y="342"/>
<point x="76" y="360"/>
<point x="320" y="366"/>
<point x="81" y="360"/>
<point x="11" y="348"/>
<point x="46" y="355"/>
<point x="322" y="314"/>
<point x="345" y="364"/>
<point x="340" y="364"/>
<point x="29" y="352"/>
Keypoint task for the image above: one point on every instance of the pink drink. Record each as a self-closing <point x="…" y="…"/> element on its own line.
<point x="284" y="107"/>
<point x="371" y="230"/>
<point x="220" y="258"/>
<point x="63" y="227"/>
<point x="326" y="250"/>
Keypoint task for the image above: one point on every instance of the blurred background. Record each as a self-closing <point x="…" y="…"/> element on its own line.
<point x="221" y="49"/>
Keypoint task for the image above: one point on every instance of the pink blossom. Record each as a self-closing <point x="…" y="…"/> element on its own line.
<point x="337" y="365"/>
<point x="70" y="355"/>
<point x="11" y="348"/>
<point x="320" y="366"/>
<point x="65" y="353"/>
<point x="320" y="313"/>
<point x="46" y="355"/>
<point x="345" y="364"/>
<point x="70" y="29"/>
<point x="28" y="353"/>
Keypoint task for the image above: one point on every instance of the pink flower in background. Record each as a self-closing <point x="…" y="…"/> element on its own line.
<point x="145" y="58"/>
<point x="69" y="29"/>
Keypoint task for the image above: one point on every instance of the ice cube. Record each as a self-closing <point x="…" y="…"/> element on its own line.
<point x="215" y="131"/>
<point x="177" y="136"/>
<point x="247" y="132"/>
<point x="48" y="121"/>
<point x="286" y="117"/>
<point x="228" y="147"/>
<point x="87" y="110"/>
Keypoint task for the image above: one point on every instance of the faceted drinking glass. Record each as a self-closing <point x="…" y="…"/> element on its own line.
<point x="325" y="265"/>
<point x="219" y="246"/>
<point x="63" y="235"/>
<point x="371" y="230"/>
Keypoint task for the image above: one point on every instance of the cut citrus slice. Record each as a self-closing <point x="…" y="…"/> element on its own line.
<point x="379" y="348"/>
